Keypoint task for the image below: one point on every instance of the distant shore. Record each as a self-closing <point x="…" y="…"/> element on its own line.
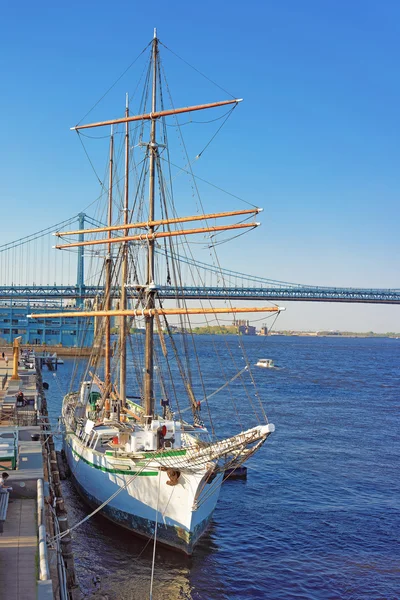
<point x="347" y="334"/>
<point x="231" y="329"/>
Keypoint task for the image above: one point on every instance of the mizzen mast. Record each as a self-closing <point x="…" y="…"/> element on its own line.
<point x="150" y="290"/>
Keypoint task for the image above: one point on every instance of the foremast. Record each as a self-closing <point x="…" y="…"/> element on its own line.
<point x="150" y="290"/>
<point x="108" y="269"/>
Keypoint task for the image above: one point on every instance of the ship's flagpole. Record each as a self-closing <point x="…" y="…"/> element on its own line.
<point x="150" y="288"/>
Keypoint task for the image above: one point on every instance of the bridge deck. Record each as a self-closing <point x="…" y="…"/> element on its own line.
<point x="257" y="292"/>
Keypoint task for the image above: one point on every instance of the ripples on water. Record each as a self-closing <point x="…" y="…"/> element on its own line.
<point x="318" y="517"/>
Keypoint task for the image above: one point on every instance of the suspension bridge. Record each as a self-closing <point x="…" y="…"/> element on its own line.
<point x="58" y="280"/>
<point x="30" y="258"/>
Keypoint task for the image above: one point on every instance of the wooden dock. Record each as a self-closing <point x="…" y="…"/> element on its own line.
<point x="18" y="550"/>
<point x="29" y="568"/>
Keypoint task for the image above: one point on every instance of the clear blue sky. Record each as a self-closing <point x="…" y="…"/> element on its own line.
<point x="316" y="142"/>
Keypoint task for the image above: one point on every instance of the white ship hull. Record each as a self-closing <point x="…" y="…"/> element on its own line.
<point x="182" y="511"/>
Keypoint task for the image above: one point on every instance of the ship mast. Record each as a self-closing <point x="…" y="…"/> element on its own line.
<point x="107" y="300"/>
<point x="149" y="311"/>
<point x="124" y="274"/>
<point x="150" y="288"/>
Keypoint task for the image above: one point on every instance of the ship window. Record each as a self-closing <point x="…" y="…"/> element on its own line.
<point x="93" y="397"/>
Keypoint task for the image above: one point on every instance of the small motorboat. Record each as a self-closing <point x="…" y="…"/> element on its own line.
<point x="266" y="363"/>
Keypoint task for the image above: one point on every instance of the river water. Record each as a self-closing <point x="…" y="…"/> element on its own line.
<point x="319" y="515"/>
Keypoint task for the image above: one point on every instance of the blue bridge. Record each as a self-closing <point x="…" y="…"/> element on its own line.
<point x="265" y="290"/>
<point x="59" y="277"/>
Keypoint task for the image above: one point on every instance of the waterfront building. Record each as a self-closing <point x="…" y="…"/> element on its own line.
<point x="49" y="332"/>
<point x="244" y="328"/>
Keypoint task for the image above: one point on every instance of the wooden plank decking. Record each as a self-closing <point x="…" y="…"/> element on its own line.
<point x="18" y="550"/>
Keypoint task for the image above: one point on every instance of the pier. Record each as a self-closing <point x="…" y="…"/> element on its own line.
<point x="31" y="503"/>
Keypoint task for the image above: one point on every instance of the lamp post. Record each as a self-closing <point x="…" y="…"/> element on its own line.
<point x="16" y="342"/>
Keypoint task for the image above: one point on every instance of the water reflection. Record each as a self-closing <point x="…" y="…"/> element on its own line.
<point x="114" y="563"/>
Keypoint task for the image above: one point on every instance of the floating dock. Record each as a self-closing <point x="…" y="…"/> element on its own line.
<point x="32" y="511"/>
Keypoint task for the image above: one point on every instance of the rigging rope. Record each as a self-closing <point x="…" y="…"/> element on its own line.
<point x="197" y="194"/>
<point x="227" y="383"/>
<point x="90" y="162"/>
<point x="114" y="495"/>
<point x="197" y="70"/>
<point x="222" y="386"/>
<point x="217" y="132"/>
<point x="208" y="182"/>
<point x="115" y="82"/>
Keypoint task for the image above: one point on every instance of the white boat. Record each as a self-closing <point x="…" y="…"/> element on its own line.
<point x="155" y="472"/>
<point x="57" y="359"/>
<point x="266" y="363"/>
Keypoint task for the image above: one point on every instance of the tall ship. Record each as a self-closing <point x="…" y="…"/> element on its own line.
<point x="140" y="437"/>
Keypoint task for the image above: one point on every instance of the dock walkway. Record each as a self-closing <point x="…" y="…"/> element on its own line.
<point x="18" y="550"/>
<point x="24" y="565"/>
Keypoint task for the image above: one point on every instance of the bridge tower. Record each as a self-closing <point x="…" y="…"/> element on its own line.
<point x="80" y="275"/>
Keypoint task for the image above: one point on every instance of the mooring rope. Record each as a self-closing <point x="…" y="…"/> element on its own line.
<point x="222" y="387"/>
<point x="118" y="491"/>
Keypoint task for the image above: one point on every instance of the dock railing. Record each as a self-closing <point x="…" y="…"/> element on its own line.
<point x="44" y="572"/>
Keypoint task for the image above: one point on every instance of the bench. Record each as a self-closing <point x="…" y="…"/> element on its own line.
<point x="8" y="452"/>
<point x="4" y="496"/>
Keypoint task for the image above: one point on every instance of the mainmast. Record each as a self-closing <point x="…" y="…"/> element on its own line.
<point x="151" y="234"/>
<point x="107" y="299"/>
<point x="124" y="274"/>
<point x="150" y="288"/>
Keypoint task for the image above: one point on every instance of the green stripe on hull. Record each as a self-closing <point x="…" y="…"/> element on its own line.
<point x="160" y="456"/>
<point x="151" y="454"/>
<point x="170" y="453"/>
<point x="119" y="471"/>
